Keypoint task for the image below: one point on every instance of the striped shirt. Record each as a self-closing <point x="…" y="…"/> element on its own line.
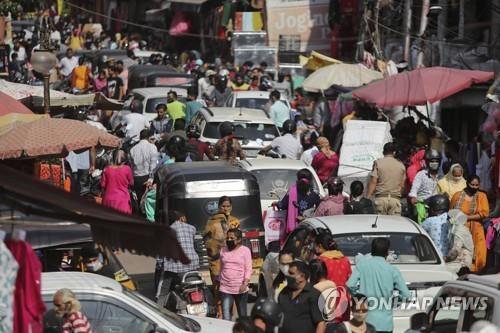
<point x="76" y="322"/>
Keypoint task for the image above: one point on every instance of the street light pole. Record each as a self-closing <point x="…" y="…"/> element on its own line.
<point x="43" y="61"/>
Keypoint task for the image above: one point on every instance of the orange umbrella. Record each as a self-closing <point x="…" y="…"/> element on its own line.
<point x="52" y="137"/>
<point x="10" y="105"/>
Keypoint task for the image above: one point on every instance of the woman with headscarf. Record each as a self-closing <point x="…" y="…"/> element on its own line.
<point x="115" y="183"/>
<point x="460" y="240"/>
<point x="453" y="182"/>
<point x="417" y="163"/>
<point x="325" y="162"/>
<point x="474" y="204"/>
<point x="299" y="199"/>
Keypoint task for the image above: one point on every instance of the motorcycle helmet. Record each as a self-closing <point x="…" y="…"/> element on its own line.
<point x="193" y="131"/>
<point x="433" y="159"/>
<point x="438" y="204"/>
<point x="269" y="311"/>
<point x="176" y="145"/>
<point x="226" y="128"/>
<point x="289" y="126"/>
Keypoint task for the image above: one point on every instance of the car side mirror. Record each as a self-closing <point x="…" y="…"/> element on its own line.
<point x="419" y="322"/>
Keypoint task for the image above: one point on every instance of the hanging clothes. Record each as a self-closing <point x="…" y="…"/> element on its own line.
<point x="28" y="303"/>
<point x="8" y="275"/>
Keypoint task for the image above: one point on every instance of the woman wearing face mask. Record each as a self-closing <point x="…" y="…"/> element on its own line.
<point x="68" y="307"/>
<point x="215" y="234"/>
<point x="474" y="204"/>
<point x="358" y="322"/>
<point x="337" y="265"/>
<point x="286" y="257"/>
<point x="235" y="273"/>
<point x="453" y="182"/>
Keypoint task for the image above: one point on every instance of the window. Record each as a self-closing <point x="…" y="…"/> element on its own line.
<point x="406" y="248"/>
<point x="445" y="314"/>
<point x="277" y="181"/>
<point x="249" y="131"/>
<point x="478" y="307"/>
<point x="153" y="102"/>
<point x="252" y="103"/>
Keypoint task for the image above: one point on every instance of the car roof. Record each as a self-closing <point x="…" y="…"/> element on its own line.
<point x="255" y="94"/>
<point x="78" y="281"/>
<point x="159" y="91"/>
<point x="220" y="114"/>
<point x="273" y="163"/>
<point x="492" y="280"/>
<point x="202" y="171"/>
<point x="347" y="224"/>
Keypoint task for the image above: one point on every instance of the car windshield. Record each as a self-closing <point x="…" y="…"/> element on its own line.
<point x="276" y="181"/>
<point x="252" y="103"/>
<point x="406" y="248"/>
<point x="153" y="102"/>
<point x="248" y="131"/>
<point x="186" y="324"/>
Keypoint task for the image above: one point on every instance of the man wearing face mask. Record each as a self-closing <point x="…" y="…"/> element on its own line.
<point x="93" y="262"/>
<point x="299" y="302"/>
<point x="358" y="324"/>
<point x="425" y="181"/>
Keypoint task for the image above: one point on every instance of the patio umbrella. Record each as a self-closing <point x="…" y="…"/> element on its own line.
<point x="344" y="75"/>
<point x="420" y="86"/>
<point x="52" y="137"/>
<point x="10" y="105"/>
<point x="11" y="120"/>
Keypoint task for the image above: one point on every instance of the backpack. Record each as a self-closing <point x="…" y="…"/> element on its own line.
<point x="192" y="153"/>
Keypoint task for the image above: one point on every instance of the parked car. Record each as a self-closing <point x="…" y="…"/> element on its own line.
<point x="412" y="250"/>
<point x="145" y="100"/>
<point x="59" y="247"/>
<point x="195" y="188"/>
<point x="111" y="308"/>
<point x="252" y="127"/>
<point x="275" y="176"/>
<point x="143" y="76"/>
<point x="459" y="304"/>
<point x="252" y="100"/>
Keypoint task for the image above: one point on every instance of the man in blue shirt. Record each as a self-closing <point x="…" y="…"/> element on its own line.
<point x="375" y="278"/>
<point x="437" y="225"/>
<point x="192" y="105"/>
<point x="279" y="112"/>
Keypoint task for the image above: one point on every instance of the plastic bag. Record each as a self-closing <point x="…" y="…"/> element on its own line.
<point x="273" y="223"/>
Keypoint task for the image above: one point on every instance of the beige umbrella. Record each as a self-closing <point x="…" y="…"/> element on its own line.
<point x="52" y="137"/>
<point x="12" y="120"/>
<point x="343" y="75"/>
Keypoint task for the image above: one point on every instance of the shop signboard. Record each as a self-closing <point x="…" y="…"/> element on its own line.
<point x="306" y="18"/>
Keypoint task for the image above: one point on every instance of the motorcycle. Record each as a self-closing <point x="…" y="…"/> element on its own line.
<point x="192" y="297"/>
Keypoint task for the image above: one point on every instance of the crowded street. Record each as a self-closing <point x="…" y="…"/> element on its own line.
<point x="263" y="166"/>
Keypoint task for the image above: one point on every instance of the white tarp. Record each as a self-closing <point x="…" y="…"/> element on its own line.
<point x="362" y="144"/>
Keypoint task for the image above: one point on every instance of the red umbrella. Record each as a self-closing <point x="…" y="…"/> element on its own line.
<point x="11" y="105"/>
<point x="419" y="86"/>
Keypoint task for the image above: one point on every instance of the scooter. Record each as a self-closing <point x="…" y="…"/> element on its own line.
<point x="192" y="297"/>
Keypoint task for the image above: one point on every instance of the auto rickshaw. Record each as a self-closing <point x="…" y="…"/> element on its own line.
<point x="195" y="189"/>
<point x="142" y="76"/>
<point x="60" y="247"/>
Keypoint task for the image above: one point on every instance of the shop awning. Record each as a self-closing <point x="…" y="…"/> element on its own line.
<point x="21" y="192"/>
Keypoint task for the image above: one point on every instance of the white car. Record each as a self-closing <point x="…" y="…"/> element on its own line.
<point x="146" y="100"/>
<point x="275" y="176"/>
<point x="252" y="99"/>
<point x="412" y="251"/>
<point x="111" y="308"/>
<point x="254" y="129"/>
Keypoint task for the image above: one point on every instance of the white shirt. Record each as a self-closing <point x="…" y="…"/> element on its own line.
<point x="21" y="54"/>
<point x="308" y="155"/>
<point x="67" y="65"/>
<point x="287" y="145"/>
<point x="144" y="158"/>
<point x="134" y="123"/>
<point x="55" y="36"/>
<point x="79" y="161"/>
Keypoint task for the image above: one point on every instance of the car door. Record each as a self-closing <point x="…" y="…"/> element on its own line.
<point x="446" y="314"/>
<point x="479" y="306"/>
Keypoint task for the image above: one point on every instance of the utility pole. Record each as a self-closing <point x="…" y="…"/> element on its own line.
<point x="407" y="30"/>
<point x="421" y="32"/>
<point x="461" y="20"/>
<point x="442" y="25"/>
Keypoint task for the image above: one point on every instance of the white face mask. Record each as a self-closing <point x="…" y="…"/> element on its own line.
<point x="284" y="269"/>
<point x="360" y="317"/>
<point x="434" y="166"/>
<point x="94" y="266"/>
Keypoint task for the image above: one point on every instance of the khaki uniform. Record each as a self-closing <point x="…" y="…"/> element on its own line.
<point x="215" y="238"/>
<point x="390" y="174"/>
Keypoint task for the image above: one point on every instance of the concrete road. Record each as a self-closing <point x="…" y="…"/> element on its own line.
<point x="141" y="270"/>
